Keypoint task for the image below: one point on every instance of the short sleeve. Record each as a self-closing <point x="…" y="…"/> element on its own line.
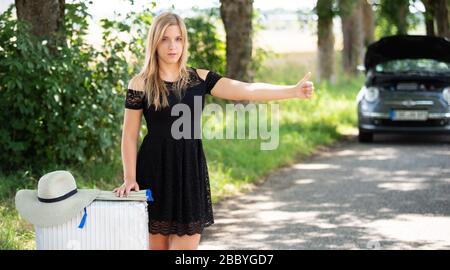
<point x="134" y="99"/>
<point x="211" y="79"/>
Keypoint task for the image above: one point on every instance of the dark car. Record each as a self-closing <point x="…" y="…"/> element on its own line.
<point x="407" y="87"/>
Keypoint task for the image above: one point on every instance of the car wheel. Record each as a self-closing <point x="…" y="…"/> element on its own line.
<point x="365" y="137"/>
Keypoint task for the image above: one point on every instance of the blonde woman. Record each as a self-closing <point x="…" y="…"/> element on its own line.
<point x="175" y="168"/>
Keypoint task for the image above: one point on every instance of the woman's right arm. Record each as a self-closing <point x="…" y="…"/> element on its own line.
<point x="130" y="136"/>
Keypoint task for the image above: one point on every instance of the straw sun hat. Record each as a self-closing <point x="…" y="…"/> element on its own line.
<point x="56" y="200"/>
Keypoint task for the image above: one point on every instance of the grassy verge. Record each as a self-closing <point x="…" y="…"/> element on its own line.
<point x="233" y="164"/>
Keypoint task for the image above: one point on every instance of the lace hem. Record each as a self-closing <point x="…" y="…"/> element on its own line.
<point x="168" y="227"/>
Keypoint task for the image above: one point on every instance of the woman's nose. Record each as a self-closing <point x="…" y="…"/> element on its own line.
<point x="172" y="45"/>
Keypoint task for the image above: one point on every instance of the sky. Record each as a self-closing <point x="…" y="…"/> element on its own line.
<point x="284" y="40"/>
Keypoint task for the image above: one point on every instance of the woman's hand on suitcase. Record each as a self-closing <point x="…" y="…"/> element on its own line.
<point x="125" y="188"/>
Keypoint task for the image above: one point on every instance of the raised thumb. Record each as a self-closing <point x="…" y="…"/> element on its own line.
<point x="306" y="78"/>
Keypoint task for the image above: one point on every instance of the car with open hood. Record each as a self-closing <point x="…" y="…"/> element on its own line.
<point x="407" y="87"/>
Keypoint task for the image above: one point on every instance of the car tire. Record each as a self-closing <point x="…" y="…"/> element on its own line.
<point x="365" y="137"/>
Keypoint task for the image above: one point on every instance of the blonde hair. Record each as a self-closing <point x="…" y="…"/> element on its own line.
<point x="148" y="78"/>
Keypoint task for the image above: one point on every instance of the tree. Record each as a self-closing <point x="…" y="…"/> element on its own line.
<point x="369" y="22"/>
<point x="394" y="16"/>
<point x="325" y="40"/>
<point x="45" y="16"/>
<point x="442" y="18"/>
<point x="237" y="19"/>
<point x="353" y="34"/>
<point x="436" y="13"/>
<point x="429" y="17"/>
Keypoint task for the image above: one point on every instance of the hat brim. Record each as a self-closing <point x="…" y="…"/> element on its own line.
<point x="56" y="213"/>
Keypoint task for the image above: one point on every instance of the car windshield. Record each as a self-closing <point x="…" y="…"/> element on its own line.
<point x="414" y="65"/>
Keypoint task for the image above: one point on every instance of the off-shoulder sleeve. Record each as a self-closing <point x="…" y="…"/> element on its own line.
<point x="134" y="99"/>
<point x="211" y="79"/>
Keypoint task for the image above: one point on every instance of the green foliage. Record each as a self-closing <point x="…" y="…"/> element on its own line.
<point x="346" y="7"/>
<point x="390" y="22"/>
<point x="206" y="49"/>
<point x="324" y="9"/>
<point x="63" y="107"/>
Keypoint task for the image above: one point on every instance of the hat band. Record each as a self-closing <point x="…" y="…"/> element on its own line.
<point x="63" y="197"/>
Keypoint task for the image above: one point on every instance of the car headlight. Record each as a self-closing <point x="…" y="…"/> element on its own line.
<point x="371" y="94"/>
<point x="446" y="95"/>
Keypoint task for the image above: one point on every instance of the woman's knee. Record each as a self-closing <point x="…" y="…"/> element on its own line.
<point x="158" y="242"/>
<point x="185" y="242"/>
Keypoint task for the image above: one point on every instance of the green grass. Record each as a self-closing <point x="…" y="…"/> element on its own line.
<point x="234" y="165"/>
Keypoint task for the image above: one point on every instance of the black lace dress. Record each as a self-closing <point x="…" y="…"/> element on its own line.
<point x="175" y="168"/>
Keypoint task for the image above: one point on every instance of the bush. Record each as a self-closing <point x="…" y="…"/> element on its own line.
<point x="58" y="107"/>
<point x="206" y="50"/>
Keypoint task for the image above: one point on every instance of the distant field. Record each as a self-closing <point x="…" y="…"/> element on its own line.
<point x="286" y="68"/>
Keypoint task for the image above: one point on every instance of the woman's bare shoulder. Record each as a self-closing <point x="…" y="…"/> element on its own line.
<point x="202" y="73"/>
<point x="136" y="83"/>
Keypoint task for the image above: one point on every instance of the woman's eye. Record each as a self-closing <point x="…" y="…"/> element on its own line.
<point x="178" y="39"/>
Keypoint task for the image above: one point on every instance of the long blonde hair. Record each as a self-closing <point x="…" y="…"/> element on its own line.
<point x="154" y="86"/>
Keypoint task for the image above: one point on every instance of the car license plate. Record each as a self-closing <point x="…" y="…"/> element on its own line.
<point x="409" y="115"/>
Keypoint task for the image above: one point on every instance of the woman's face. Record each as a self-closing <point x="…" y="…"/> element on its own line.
<point x="171" y="46"/>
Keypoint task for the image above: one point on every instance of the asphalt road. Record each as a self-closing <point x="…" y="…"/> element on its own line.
<point x="391" y="194"/>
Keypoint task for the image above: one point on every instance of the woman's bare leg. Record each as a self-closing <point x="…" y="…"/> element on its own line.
<point x="158" y="242"/>
<point x="185" y="242"/>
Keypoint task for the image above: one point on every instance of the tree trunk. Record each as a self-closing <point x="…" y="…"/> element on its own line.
<point x="429" y="17"/>
<point x="45" y="16"/>
<point x="325" y="41"/>
<point x="352" y="29"/>
<point x="369" y="22"/>
<point x="237" y="19"/>
<point x="436" y="13"/>
<point x="403" y="10"/>
<point x="442" y="18"/>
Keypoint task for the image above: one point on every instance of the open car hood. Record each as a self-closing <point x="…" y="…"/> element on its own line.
<point x="407" y="47"/>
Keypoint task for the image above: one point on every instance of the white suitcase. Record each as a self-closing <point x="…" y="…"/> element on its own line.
<point x="108" y="225"/>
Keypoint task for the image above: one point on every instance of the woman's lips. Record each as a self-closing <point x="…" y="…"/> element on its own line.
<point x="172" y="54"/>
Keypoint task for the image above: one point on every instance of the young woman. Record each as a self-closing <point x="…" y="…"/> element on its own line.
<point x="175" y="169"/>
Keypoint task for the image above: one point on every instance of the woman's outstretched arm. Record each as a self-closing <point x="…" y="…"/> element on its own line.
<point x="237" y="90"/>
